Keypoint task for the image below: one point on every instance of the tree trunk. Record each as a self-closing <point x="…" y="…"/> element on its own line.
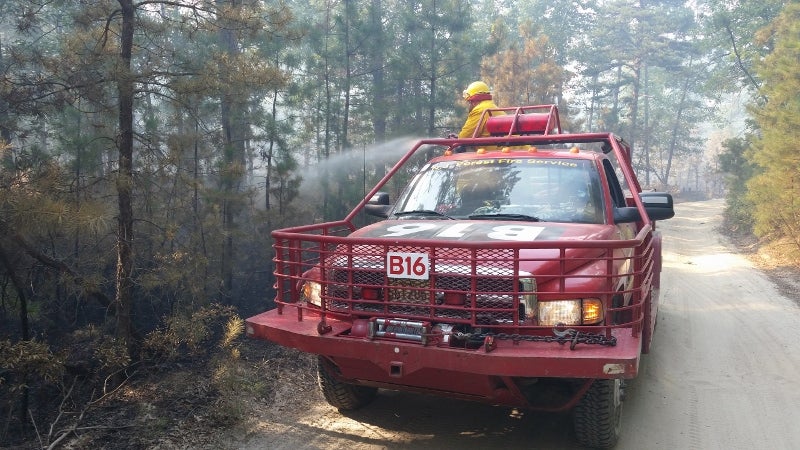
<point x="5" y="132"/>
<point x="348" y="11"/>
<point x="232" y="112"/>
<point x="378" y="59"/>
<point x="633" y="134"/>
<point x="676" y="126"/>
<point x="326" y="146"/>
<point x="19" y="286"/>
<point x="433" y="75"/>
<point x="646" y="128"/>
<point x="273" y="134"/>
<point x="124" y="275"/>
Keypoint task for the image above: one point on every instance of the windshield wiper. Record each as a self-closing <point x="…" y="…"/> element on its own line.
<point x="423" y="212"/>
<point x="505" y="216"/>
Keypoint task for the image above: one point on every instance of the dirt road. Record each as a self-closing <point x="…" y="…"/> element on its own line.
<point x="723" y="373"/>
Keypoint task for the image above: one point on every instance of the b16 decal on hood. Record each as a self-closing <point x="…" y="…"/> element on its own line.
<point x="477" y="230"/>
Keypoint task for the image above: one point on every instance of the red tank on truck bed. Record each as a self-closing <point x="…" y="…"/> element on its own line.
<point x="518" y="269"/>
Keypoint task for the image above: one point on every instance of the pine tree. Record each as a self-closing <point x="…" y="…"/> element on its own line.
<point x="775" y="190"/>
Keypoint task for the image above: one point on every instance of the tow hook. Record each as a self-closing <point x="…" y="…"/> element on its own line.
<point x="566" y="334"/>
<point x="323" y="328"/>
<point x="489" y="344"/>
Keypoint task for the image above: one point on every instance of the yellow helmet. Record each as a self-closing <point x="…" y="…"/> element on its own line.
<point x="477" y="88"/>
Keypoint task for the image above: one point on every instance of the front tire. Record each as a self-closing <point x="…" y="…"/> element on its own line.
<point x="596" y="417"/>
<point x="341" y="395"/>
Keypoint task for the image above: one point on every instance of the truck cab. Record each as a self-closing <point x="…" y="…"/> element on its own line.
<point x="518" y="269"/>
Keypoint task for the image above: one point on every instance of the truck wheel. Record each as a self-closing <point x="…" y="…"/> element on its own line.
<point x="344" y="396"/>
<point x="597" y="416"/>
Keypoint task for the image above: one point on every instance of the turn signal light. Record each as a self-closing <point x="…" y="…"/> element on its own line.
<point x="592" y="311"/>
<point x="586" y="311"/>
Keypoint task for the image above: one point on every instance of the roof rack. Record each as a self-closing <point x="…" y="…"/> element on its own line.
<point x="522" y="120"/>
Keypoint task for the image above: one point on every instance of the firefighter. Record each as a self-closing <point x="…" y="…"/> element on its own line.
<point x="480" y="99"/>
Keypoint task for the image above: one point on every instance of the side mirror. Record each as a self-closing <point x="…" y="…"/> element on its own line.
<point x="378" y="205"/>
<point x="658" y="205"/>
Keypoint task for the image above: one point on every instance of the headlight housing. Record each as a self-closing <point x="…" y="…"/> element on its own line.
<point x="528" y="284"/>
<point x="311" y="292"/>
<point x="582" y="311"/>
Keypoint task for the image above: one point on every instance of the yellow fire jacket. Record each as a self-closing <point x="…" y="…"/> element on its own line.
<point x="474" y="117"/>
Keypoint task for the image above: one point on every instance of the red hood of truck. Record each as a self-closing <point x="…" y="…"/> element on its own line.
<point x="538" y="261"/>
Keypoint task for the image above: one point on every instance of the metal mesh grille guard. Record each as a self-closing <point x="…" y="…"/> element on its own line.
<point x="466" y="285"/>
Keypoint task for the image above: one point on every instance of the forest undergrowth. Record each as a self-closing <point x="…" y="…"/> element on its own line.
<point x="203" y="383"/>
<point x="186" y="404"/>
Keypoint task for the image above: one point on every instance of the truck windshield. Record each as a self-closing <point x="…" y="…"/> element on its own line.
<point x="537" y="189"/>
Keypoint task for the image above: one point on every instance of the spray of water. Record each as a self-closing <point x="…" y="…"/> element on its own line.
<point x="352" y="163"/>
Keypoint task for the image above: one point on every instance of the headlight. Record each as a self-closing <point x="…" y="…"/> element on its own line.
<point x="311" y="292"/>
<point x="586" y="311"/>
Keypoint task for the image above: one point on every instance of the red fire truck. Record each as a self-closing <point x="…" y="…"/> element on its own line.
<point x="518" y="269"/>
